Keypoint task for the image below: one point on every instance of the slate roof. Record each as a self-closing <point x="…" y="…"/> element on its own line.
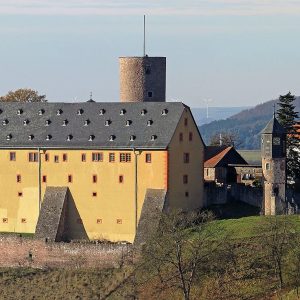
<point x="221" y="156"/>
<point x="273" y="127"/>
<point x="88" y="124"/>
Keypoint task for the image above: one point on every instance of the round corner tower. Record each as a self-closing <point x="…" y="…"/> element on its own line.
<point x="142" y="79"/>
<point x="273" y="148"/>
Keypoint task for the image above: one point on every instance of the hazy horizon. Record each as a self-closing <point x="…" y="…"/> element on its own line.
<point x="236" y="52"/>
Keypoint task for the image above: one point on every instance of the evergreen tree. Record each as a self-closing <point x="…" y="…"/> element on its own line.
<point x="287" y="116"/>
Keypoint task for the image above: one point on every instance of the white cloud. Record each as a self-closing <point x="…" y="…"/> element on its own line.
<point x="153" y="7"/>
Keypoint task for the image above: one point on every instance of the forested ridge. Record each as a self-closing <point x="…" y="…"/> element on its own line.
<point x="247" y="125"/>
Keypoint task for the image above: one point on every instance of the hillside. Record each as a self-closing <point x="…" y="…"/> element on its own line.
<point x="245" y="272"/>
<point x="247" y="125"/>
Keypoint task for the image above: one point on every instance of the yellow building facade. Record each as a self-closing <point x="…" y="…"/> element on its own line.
<point x="107" y="175"/>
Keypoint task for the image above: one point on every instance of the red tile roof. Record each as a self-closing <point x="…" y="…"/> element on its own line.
<point x="213" y="161"/>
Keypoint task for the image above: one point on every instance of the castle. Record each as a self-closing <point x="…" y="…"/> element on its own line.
<point x="93" y="170"/>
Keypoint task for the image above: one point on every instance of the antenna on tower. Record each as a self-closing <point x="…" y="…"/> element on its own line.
<point x="144" y="35"/>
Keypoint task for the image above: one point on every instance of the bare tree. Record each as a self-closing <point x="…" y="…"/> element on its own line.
<point x="23" y="95"/>
<point x="180" y="252"/>
<point x="277" y="241"/>
<point x="225" y="138"/>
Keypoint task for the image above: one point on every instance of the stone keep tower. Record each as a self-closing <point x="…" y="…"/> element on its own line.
<point x="273" y="146"/>
<point x="142" y="79"/>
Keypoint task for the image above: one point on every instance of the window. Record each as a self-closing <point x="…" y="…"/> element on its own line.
<point x="107" y="122"/>
<point x="150" y="94"/>
<point x="185" y="179"/>
<point x="59" y="112"/>
<point x="143" y="112"/>
<point x="153" y="137"/>
<point x="101" y="112"/>
<point x="186" y="194"/>
<point x="185" y="121"/>
<point x="148" y="69"/>
<point x="180" y="137"/>
<point x="80" y="112"/>
<point x="5" y="220"/>
<point x="8" y="137"/>
<point x="111" y="157"/>
<point x="125" y="157"/>
<point x="97" y="156"/>
<point x="20" y="194"/>
<point x="47" y="157"/>
<point x="23" y="220"/>
<point x="99" y="221"/>
<point x="119" y="221"/>
<point x="149" y="122"/>
<point x="121" y="179"/>
<point x="94" y="194"/>
<point x="33" y="157"/>
<point x="19" y="179"/>
<point x="69" y="137"/>
<point x="47" y="122"/>
<point x="91" y="138"/>
<point x="70" y="178"/>
<point x="164" y="112"/>
<point x="48" y="137"/>
<point x="148" y="158"/>
<point x="112" y="138"/>
<point x="30" y="137"/>
<point x="12" y="156"/>
<point x="86" y="122"/>
<point x="41" y="112"/>
<point x="268" y="167"/>
<point x="19" y="112"/>
<point x="65" y="157"/>
<point x="128" y="122"/>
<point x="65" y="122"/>
<point x="122" y="112"/>
<point x="190" y="136"/>
<point x="186" y="158"/>
<point x="25" y="122"/>
<point x="83" y="157"/>
<point x="95" y="178"/>
<point x="132" y="138"/>
<point x="44" y="179"/>
<point x="56" y="158"/>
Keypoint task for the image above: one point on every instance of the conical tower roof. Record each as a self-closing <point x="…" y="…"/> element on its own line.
<point x="274" y="127"/>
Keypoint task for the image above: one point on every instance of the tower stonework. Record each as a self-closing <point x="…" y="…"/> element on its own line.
<point x="142" y="79"/>
<point x="273" y="146"/>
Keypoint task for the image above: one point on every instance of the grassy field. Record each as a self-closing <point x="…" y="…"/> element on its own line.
<point x="247" y="280"/>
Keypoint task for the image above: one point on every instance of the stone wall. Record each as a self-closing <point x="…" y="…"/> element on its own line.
<point x="221" y="194"/>
<point x="19" y="251"/>
<point x="140" y="75"/>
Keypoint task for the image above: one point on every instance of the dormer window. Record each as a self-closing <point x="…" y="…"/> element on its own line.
<point x="65" y="122"/>
<point x="25" y="122"/>
<point x="80" y="112"/>
<point x="41" y="112"/>
<point x="101" y="111"/>
<point x="5" y="122"/>
<point x="122" y="112"/>
<point x="128" y="122"/>
<point x="30" y="137"/>
<point x="107" y="122"/>
<point x="47" y="122"/>
<point x="59" y="112"/>
<point x="149" y="122"/>
<point x="69" y="137"/>
<point x="19" y="112"/>
<point x="112" y="138"/>
<point x="91" y="138"/>
<point x="48" y="137"/>
<point x="1" y="111"/>
<point x="132" y="138"/>
<point x="8" y="137"/>
<point x="87" y="122"/>
<point x="153" y="137"/>
<point x="164" y="112"/>
<point x="143" y="112"/>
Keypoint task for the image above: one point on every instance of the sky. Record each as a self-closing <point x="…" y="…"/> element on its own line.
<point x="234" y="52"/>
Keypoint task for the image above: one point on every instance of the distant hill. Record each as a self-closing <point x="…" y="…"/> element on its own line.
<point x="215" y="113"/>
<point x="247" y="124"/>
